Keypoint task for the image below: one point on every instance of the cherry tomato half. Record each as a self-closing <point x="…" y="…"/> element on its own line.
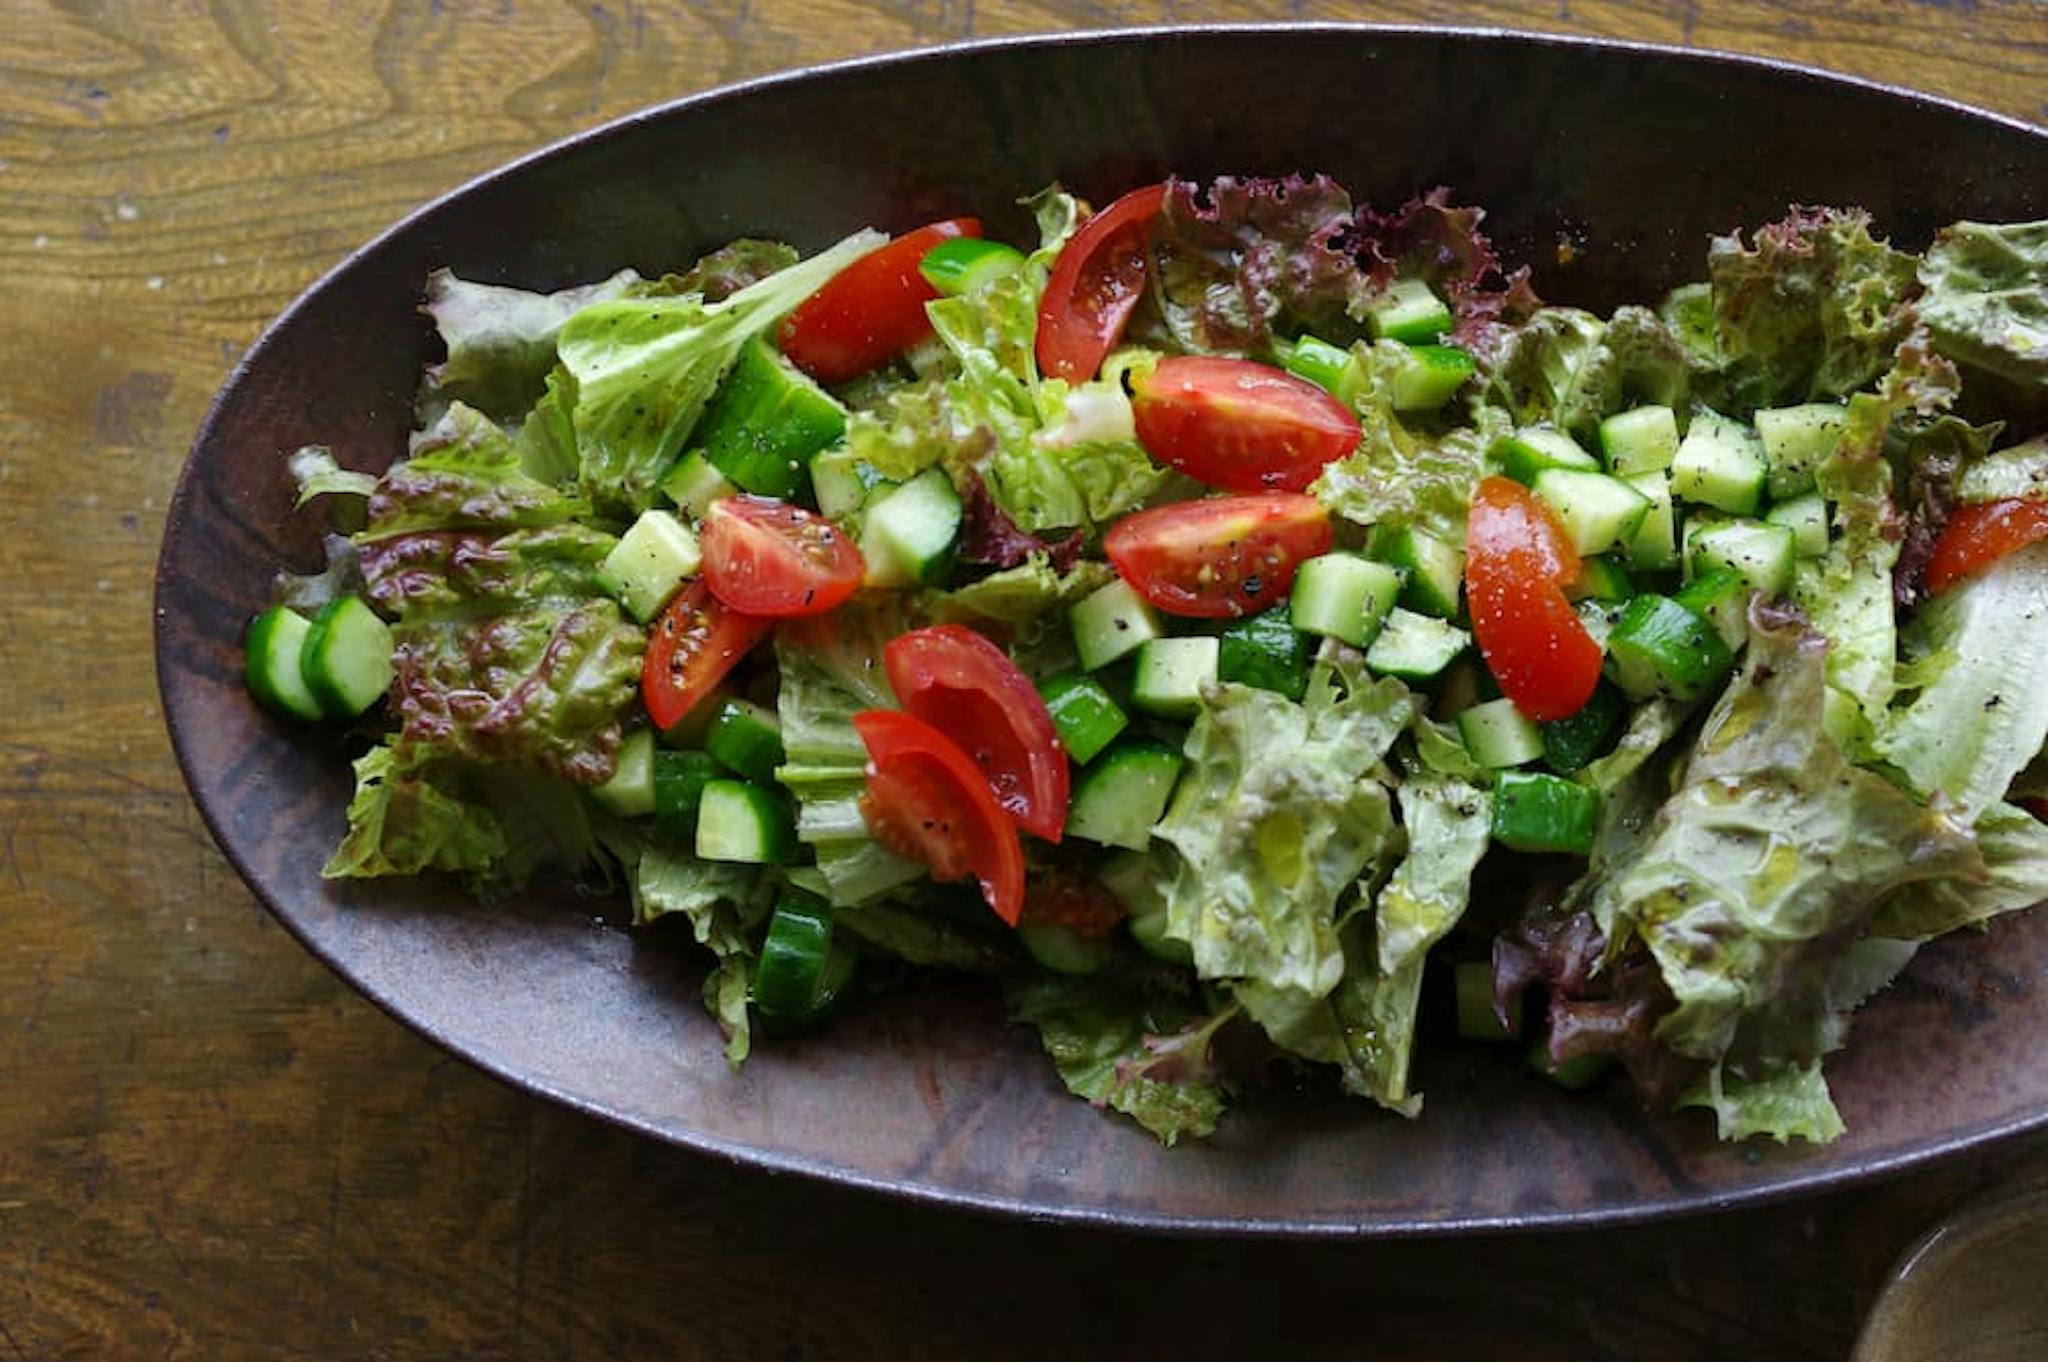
<point x="871" y="311"/>
<point x="695" y="642"/>
<point x="927" y="800"/>
<point x="767" y="557"/>
<point x="967" y="688"/>
<point x="1240" y="426"/>
<point x="1218" y="558"/>
<point x="1518" y="563"/>
<point x="1076" y="901"/>
<point x="1978" y="536"/>
<point x="1095" y="284"/>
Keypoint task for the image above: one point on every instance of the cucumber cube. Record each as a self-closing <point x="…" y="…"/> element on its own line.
<point x="1760" y="553"/>
<point x="1428" y="377"/>
<point x="1654" y="546"/>
<point x="1807" y="517"/>
<point x="1123" y="793"/>
<point x="1110" y="623"/>
<point x="650" y="563"/>
<point x="630" y="791"/>
<point x="1660" y="647"/>
<point x="1498" y="735"/>
<point x="694" y="484"/>
<point x="1415" y="647"/>
<point x="1642" y="440"/>
<point x="1721" y="596"/>
<point x="1796" y="441"/>
<point x="1435" y="570"/>
<point x="1170" y="675"/>
<point x="1531" y="449"/>
<point x="1720" y="463"/>
<point x="1267" y="651"/>
<point x="909" y="535"/>
<point x="1322" y="364"/>
<point x="1085" y="716"/>
<point x="1408" y="311"/>
<point x="1597" y="512"/>
<point x="841" y="483"/>
<point x="1537" y="812"/>
<point x="1343" y="596"/>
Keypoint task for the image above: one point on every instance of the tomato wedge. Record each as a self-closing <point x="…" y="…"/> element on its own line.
<point x="766" y="557"/>
<point x="1518" y="562"/>
<point x="1095" y="284"/>
<point x="871" y="311"/>
<point x="1238" y="425"/>
<point x="1978" y="536"/>
<point x="928" y="801"/>
<point x="695" y="642"/>
<point x="967" y="688"/>
<point x="1076" y="901"/>
<point x="1218" y="558"/>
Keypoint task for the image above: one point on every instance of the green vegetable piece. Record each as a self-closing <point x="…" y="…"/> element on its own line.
<point x="270" y="664"/>
<point x="737" y="821"/>
<point x="1429" y="376"/>
<point x="1720" y="463"/>
<point x="1083" y="713"/>
<point x="1807" y="517"/>
<point x="678" y="780"/>
<point x="1321" y="363"/>
<point x="963" y="264"/>
<point x="1533" y="811"/>
<point x="1110" y="623"/>
<point x="1601" y="578"/>
<point x="745" y="738"/>
<point x="1723" y="597"/>
<point x="652" y="561"/>
<point x="1575" y="1074"/>
<point x="1473" y="981"/>
<point x="1796" y="442"/>
<point x="804" y="968"/>
<point x="766" y="423"/>
<point x="1597" y="512"/>
<point x="1570" y="743"/>
<point x="1408" y="311"/>
<point x="1660" y="647"/>
<point x="1640" y="440"/>
<point x="1654" y="546"/>
<point x="1061" y="949"/>
<point x="1343" y="596"/>
<point x="1171" y="673"/>
<point x="911" y="533"/>
<point x="1119" y="797"/>
<point x="1532" y="449"/>
<point x="1435" y="570"/>
<point x="694" y="484"/>
<point x="1498" y="735"/>
<point x="1762" y="554"/>
<point x="1415" y="647"/>
<point x="1265" y="650"/>
<point x="346" y="658"/>
<point x="630" y="791"/>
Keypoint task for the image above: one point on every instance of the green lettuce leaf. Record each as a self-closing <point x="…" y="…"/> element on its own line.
<point x="2014" y="845"/>
<point x="501" y="341"/>
<point x="1448" y="823"/>
<point x="1019" y="596"/>
<point x="1568" y="368"/>
<point x="1278" y="814"/>
<point x="466" y="473"/>
<point x="736" y="265"/>
<point x="317" y="473"/>
<point x="934" y="927"/>
<point x="1784" y="1104"/>
<point x="725" y="903"/>
<point x="1400" y="476"/>
<point x="1986" y="299"/>
<point x="644" y="369"/>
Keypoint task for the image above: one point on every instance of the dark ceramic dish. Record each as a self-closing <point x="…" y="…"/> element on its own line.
<point x="1631" y="154"/>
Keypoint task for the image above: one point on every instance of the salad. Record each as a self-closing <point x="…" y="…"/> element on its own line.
<point x="1247" y="626"/>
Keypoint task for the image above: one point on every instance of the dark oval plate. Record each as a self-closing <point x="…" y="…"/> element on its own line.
<point x="1632" y="155"/>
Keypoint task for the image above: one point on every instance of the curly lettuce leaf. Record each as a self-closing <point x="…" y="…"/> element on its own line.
<point x="317" y="473"/>
<point x="1568" y="368"/>
<point x="1439" y="242"/>
<point x="1986" y="297"/>
<point x="465" y="473"/>
<point x="643" y="370"/>
<point x="738" y="264"/>
<point x="725" y="903"/>
<point x="1136" y="1050"/>
<point x="1400" y="476"/>
<point x="1784" y="1104"/>
<point x="501" y="341"/>
<point x="2014" y="844"/>
<point x="1020" y="595"/>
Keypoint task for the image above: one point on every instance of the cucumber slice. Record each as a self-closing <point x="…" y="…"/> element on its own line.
<point x="963" y="264"/>
<point x="1498" y="735"/>
<point x="1763" y="554"/>
<point x="1343" y="596"/>
<point x="679" y="779"/>
<point x="804" y="967"/>
<point x="1654" y="546"/>
<point x="1321" y="363"/>
<point x="1061" y="949"/>
<point x="1123" y="793"/>
<point x="1807" y="517"/>
<point x="630" y="791"/>
<point x="1602" y="579"/>
<point x="1796" y="441"/>
<point x="1660" y="647"/>
<point x="1473" y="982"/>
<point x="1533" y="811"/>
<point x="841" y="483"/>
<point x="766" y="422"/>
<point x="2016" y="473"/>
<point x="1408" y="311"/>
<point x="1267" y="651"/>
<point x="694" y="484"/>
<point x="1721" y="596"/>
<point x="346" y="658"/>
<point x="270" y="663"/>
<point x="1085" y="716"/>
<point x="1531" y="449"/>
<point x="1641" y="440"/>
<point x="910" y="534"/>
<point x="1171" y="673"/>
<point x="1429" y="376"/>
<point x="746" y="738"/>
<point x="1138" y="879"/>
<point x="1415" y="647"/>
<point x="1568" y="744"/>
<point x="650" y="563"/>
<point x="1720" y="463"/>
<point x="1110" y="623"/>
<point x="1597" y="512"/>
<point x="746" y="823"/>
<point x="1435" y="570"/>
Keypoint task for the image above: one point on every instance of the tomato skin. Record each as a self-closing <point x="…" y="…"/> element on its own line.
<point x="1978" y="536"/>
<point x="693" y="644"/>
<point x="1518" y="562"/>
<point x="1238" y="425"/>
<point x="967" y="688"/>
<point x="768" y="558"/>
<point x="927" y="800"/>
<point x="1078" y="902"/>
<point x="1095" y="284"/>
<point x="1218" y="558"/>
<point x="871" y="311"/>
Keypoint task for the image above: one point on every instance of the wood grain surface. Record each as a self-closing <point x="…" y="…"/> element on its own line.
<point x="209" y="1148"/>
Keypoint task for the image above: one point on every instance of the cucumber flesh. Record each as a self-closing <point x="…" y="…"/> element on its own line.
<point x="1720" y="463"/>
<point x="1499" y="736"/>
<point x="1660" y="647"/>
<point x="1110" y="623"/>
<point x="270" y="664"/>
<point x="1533" y="811"/>
<point x="745" y="738"/>
<point x="766" y="422"/>
<point x="346" y="658"/>
<point x="1171" y="674"/>
<point x="1597" y="512"/>
<point x="1415" y="647"/>
<point x="1429" y="376"/>
<point x="1721" y="596"/>
<point x="1473" y="981"/>
<point x="1796" y="441"/>
<point x="1085" y="715"/>
<point x="1654" y="546"/>
<point x="1531" y="449"/>
<point x="1409" y="311"/>
<point x="1641" y="440"/>
<point x="1267" y="651"/>
<point x="1119" y="797"/>
<point x="1761" y="553"/>
<point x="737" y="821"/>
<point x="1343" y="596"/>
<point x="694" y="484"/>
<point x="678" y="781"/>
<point x="1435" y="570"/>
<point x="650" y="563"/>
<point x="1807" y="517"/>
<point x="909" y="536"/>
<point x="629" y="792"/>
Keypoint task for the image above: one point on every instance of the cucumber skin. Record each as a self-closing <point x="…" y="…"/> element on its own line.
<point x="271" y="665"/>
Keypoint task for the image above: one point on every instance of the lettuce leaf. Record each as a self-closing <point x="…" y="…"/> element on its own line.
<point x="1020" y="595"/>
<point x="644" y="368"/>
<point x="1568" y="368"/>
<point x="1784" y="1104"/>
<point x="726" y="903"/>
<point x="1432" y="239"/>
<point x="2014" y="845"/>
<point x="501" y="341"/>
<point x="738" y="264"/>
<point x="1986" y="299"/>
<point x="1400" y="476"/>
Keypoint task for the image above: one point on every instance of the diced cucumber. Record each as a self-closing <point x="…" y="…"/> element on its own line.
<point x="1640" y="440"/>
<point x="737" y="821"/>
<point x="1575" y="1074"/>
<point x="746" y="738"/>
<point x="804" y="965"/>
<point x="629" y="792"/>
<point x="1531" y="449"/>
<point x="346" y="658"/>
<point x="1498" y="735"/>
<point x="679" y="780"/>
<point x="1660" y="647"/>
<point x="910" y="534"/>
<point x="1721" y="596"/>
<point x="1429" y="376"/>
<point x="1321" y="363"/>
<point x="1409" y="311"/>
<point x="1061" y="949"/>
<point x="1415" y="647"/>
<point x="1340" y="595"/>
<point x="1601" y="578"/>
<point x="1110" y="622"/>
<point x="1569" y="743"/>
<point x="841" y="483"/>
<point x="1138" y="879"/>
<point x="1534" y="811"/>
<point x="1762" y="553"/>
<point x="1171" y="673"/>
<point x="1807" y="517"/>
<point x="694" y="484"/>
<point x="1720" y="463"/>
<point x="1473" y="982"/>
<point x="963" y="264"/>
<point x="1597" y="512"/>
<point x="1265" y="650"/>
<point x="650" y="563"/>
<point x="1123" y="793"/>
<point x="1435" y="570"/>
<point x="1654" y="546"/>
<point x="270" y="663"/>
<point x="1083" y="714"/>
<point x="766" y="422"/>
<point x="1796" y="441"/>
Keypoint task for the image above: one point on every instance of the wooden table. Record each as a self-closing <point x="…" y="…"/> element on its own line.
<point x="210" y="1148"/>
